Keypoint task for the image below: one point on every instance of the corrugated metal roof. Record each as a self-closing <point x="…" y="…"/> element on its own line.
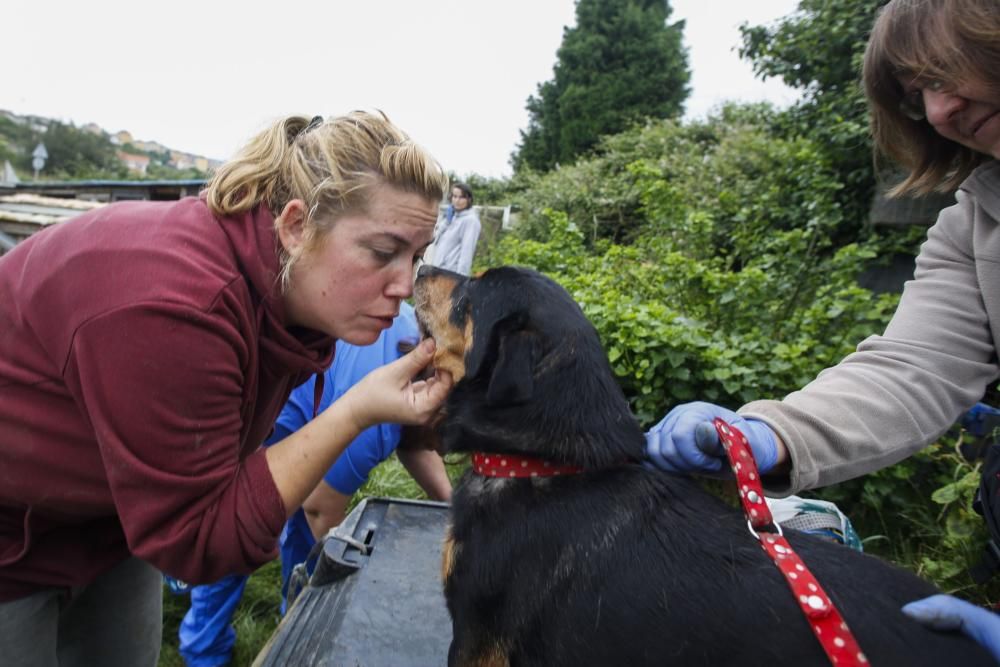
<point x="92" y="183"/>
<point x="23" y="214"/>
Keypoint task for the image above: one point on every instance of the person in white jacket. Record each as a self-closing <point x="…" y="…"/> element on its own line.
<point x="457" y="232"/>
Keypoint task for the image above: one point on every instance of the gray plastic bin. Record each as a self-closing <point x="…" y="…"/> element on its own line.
<point x="383" y="608"/>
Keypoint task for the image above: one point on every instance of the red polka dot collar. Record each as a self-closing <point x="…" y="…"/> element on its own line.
<point x="512" y="465"/>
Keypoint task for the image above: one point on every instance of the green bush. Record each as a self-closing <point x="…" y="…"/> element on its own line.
<point x="731" y="287"/>
<point x="919" y="513"/>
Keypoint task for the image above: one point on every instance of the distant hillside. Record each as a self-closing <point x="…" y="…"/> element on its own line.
<point x="90" y="152"/>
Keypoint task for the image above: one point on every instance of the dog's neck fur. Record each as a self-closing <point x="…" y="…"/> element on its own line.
<point x="607" y="435"/>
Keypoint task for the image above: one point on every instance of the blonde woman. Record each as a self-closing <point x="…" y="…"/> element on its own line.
<point x="148" y="349"/>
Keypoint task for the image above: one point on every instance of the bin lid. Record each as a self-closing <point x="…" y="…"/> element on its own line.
<point x="375" y="597"/>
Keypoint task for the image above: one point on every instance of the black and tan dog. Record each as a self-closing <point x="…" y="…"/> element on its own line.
<point x="615" y="564"/>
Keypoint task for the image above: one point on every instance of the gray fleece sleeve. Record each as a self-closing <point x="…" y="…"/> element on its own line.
<point x="900" y="391"/>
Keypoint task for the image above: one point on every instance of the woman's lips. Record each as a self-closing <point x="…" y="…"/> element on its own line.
<point x="982" y="122"/>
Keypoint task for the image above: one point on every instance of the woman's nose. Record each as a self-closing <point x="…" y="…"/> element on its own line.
<point x="940" y="105"/>
<point x="401" y="285"/>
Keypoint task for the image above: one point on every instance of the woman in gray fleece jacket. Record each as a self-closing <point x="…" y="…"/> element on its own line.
<point x="930" y="75"/>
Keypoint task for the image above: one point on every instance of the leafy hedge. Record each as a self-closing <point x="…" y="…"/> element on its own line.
<point x="729" y="288"/>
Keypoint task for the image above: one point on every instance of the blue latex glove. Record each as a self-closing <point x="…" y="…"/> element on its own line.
<point x="686" y="441"/>
<point x="944" y="612"/>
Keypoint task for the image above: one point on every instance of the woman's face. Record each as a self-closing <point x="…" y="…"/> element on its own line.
<point x="968" y="114"/>
<point x="350" y="285"/>
<point x="459" y="200"/>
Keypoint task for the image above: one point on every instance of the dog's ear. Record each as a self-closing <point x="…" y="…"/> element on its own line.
<point x="512" y="379"/>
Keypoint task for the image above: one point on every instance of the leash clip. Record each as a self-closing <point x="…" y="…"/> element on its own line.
<point x="831" y="631"/>
<point x="764" y="529"/>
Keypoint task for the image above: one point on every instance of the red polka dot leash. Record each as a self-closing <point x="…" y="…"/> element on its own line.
<point x="827" y="623"/>
<point x="512" y="465"/>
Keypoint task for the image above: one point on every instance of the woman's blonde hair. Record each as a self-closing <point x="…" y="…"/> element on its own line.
<point x="334" y="166"/>
<point x="954" y="42"/>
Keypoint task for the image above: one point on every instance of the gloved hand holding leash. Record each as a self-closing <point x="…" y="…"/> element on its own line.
<point x="685" y="441"/>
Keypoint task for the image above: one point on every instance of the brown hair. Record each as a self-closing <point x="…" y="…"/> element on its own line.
<point x="334" y="166"/>
<point x="953" y="41"/>
<point x="466" y="190"/>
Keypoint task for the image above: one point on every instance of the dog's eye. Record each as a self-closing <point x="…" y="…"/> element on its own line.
<point x="460" y="305"/>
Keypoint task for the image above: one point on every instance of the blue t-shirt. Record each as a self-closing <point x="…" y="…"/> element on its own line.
<point x="371" y="447"/>
<point x="350" y="364"/>
<point x="205" y="635"/>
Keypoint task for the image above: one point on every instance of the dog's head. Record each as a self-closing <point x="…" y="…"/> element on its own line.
<point x="530" y="374"/>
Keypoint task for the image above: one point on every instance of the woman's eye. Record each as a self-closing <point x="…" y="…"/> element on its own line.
<point x="920" y="84"/>
<point x="382" y="255"/>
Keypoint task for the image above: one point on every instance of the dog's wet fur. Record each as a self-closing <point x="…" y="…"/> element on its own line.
<point x="618" y="565"/>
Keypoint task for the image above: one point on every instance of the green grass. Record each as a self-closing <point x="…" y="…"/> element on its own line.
<point x="258" y="614"/>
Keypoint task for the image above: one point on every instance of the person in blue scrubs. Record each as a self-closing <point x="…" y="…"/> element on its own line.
<point x="206" y="633"/>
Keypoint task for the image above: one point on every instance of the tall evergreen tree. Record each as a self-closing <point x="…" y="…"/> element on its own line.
<point x="621" y="62"/>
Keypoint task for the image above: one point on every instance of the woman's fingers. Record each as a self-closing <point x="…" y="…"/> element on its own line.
<point x="389" y="395"/>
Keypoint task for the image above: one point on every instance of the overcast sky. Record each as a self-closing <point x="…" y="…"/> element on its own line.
<point x="204" y="76"/>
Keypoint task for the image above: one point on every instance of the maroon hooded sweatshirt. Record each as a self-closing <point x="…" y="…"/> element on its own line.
<point x="144" y="357"/>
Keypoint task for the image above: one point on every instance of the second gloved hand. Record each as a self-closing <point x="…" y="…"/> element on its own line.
<point x="686" y="440"/>
<point x="945" y="612"/>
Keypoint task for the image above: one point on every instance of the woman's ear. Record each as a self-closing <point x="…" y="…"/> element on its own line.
<point x="290" y="225"/>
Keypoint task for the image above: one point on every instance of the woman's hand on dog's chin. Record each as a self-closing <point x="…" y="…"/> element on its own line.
<point x="390" y="395"/>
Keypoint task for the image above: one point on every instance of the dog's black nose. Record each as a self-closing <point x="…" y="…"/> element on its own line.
<point x="428" y="270"/>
